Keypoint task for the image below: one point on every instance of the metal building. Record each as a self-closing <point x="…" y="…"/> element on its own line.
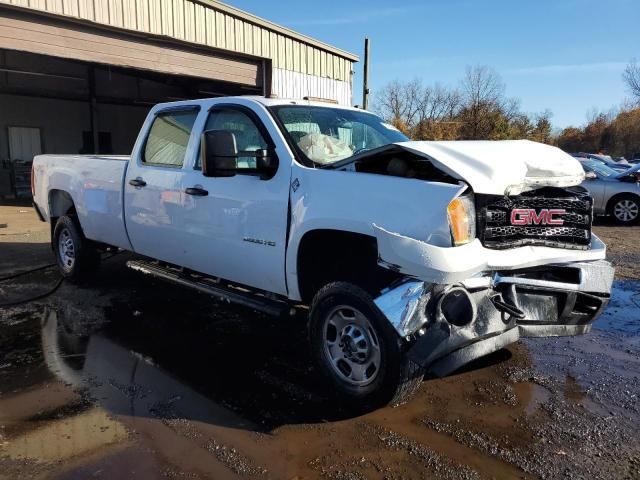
<point x="78" y="76"/>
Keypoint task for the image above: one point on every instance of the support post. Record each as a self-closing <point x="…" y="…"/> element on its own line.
<point x="93" y="111"/>
<point x="365" y="80"/>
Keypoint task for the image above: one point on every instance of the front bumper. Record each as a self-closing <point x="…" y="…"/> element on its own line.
<point x="450" y="325"/>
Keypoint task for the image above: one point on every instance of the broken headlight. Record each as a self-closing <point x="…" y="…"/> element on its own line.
<point x="462" y="220"/>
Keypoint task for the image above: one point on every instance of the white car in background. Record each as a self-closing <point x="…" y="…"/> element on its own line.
<point x="614" y="193"/>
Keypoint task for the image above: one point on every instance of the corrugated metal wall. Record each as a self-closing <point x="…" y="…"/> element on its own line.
<point x="209" y="23"/>
<point x="289" y="84"/>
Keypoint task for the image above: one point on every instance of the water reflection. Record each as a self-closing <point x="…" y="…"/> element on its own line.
<point x="124" y="382"/>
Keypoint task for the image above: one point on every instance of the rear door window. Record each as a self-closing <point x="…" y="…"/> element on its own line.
<point x="168" y="138"/>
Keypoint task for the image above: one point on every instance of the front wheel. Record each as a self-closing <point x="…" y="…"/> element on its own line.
<point x="76" y="256"/>
<point x="358" y="351"/>
<point x="625" y="209"/>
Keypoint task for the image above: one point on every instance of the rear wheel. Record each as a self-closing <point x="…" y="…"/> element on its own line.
<point x="625" y="209"/>
<point x="358" y="351"/>
<point x="76" y="256"/>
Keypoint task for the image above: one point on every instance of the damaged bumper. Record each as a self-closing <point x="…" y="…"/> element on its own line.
<point x="451" y="324"/>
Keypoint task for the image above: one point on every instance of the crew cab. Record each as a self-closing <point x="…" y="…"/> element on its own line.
<point x="410" y="257"/>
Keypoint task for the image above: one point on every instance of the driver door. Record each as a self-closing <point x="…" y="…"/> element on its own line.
<point x="236" y="228"/>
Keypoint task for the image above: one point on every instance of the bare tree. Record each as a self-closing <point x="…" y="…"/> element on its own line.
<point x="479" y="109"/>
<point x="437" y="104"/>
<point x="399" y="103"/>
<point x="483" y="100"/>
<point x="413" y="108"/>
<point x="631" y="77"/>
<point x="482" y="86"/>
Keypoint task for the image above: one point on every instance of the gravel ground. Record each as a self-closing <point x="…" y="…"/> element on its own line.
<point x="118" y="380"/>
<point x="623" y="247"/>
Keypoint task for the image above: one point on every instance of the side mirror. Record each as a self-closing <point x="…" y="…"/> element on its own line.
<point x="218" y="153"/>
<point x="590" y="175"/>
<point x="266" y="163"/>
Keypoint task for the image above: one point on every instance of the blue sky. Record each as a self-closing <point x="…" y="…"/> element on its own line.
<point x="564" y="55"/>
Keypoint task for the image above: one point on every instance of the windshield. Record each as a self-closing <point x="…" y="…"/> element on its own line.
<point x="599" y="168"/>
<point x="326" y="135"/>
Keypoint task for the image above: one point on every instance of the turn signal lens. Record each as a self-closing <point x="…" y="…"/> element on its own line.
<point x="462" y="220"/>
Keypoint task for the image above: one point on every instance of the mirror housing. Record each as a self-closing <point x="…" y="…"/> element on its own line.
<point x="218" y="153"/>
<point x="266" y="163"/>
<point x="590" y="175"/>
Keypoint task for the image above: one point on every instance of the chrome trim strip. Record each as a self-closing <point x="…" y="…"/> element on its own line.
<point x="595" y="277"/>
<point x="532" y="282"/>
<point x="553" y="330"/>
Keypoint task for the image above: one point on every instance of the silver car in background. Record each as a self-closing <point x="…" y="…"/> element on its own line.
<point x="614" y="193"/>
<point x="619" y="166"/>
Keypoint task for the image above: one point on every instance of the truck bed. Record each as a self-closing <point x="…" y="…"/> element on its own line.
<point x="95" y="183"/>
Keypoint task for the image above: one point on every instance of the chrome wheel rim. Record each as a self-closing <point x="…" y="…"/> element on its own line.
<point x="66" y="249"/>
<point x="351" y="346"/>
<point x="626" y="210"/>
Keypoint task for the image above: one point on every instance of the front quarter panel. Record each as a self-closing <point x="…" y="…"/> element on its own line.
<point x="354" y="202"/>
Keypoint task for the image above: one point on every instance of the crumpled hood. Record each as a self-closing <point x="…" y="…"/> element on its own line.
<point x="501" y="167"/>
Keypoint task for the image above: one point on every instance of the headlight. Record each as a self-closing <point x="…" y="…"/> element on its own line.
<point x="462" y="220"/>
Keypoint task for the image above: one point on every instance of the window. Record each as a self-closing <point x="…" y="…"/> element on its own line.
<point x="24" y="143"/>
<point x="326" y="135"/>
<point x="249" y="139"/>
<point x="168" y="138"/>
<point x="599" y="168"/>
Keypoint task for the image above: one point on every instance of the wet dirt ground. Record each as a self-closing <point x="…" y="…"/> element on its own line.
<point x="128" y="377"/>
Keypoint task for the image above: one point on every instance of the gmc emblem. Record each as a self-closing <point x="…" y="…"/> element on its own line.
<point x="528" y="216"/>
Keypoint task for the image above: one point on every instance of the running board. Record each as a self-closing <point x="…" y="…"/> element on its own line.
<point x="202" y="284"/>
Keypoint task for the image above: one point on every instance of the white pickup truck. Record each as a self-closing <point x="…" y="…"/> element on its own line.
<point x="413" y="257"/>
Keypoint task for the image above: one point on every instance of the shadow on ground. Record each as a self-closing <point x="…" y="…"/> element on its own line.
<point x="138" y="345"/>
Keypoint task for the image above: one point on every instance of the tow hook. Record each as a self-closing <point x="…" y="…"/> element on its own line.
<point x="505" y="307"/>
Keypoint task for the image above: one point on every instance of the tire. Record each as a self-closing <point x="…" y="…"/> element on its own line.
<point x="346" y="329"/>
<point x="625" y="209"/>
<point x="76" y="256"/>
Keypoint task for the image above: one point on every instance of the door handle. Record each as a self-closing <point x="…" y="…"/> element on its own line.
<point x="137" y="182"/>
<point x="196" y="191"/>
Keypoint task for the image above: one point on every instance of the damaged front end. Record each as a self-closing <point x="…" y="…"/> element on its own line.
<point x="450" y="325"/>
<point x="502" y="278"/>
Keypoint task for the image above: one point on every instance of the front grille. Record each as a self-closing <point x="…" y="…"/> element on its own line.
<point x="496" y="229"/>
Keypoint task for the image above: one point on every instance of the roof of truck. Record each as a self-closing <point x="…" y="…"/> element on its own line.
<point x="266" y="101"/>
<point x="272" y="101"/>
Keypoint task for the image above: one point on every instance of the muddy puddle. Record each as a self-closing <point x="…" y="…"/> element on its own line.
<point x="132" y="378"/>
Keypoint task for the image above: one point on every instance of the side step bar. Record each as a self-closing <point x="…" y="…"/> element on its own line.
<point x="203" y="284"/>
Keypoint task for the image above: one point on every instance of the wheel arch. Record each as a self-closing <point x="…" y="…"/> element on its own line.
<point x="60" y="203"/>
<point x="618" y="196"/>
<point x="328" y="255"/>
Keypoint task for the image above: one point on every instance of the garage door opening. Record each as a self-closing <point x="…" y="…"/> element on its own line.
<point x="84" y="108"/>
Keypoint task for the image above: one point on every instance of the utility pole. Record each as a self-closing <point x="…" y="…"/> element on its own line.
<point x="365" y="80"/>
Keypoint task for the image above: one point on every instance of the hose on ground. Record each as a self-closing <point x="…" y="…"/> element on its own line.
<point x="37" y="297"/>
<point x="41" y="295"/>
<point x="27" y="272"/>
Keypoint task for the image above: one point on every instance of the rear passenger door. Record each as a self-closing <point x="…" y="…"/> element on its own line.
<point x="153" y="195"/>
